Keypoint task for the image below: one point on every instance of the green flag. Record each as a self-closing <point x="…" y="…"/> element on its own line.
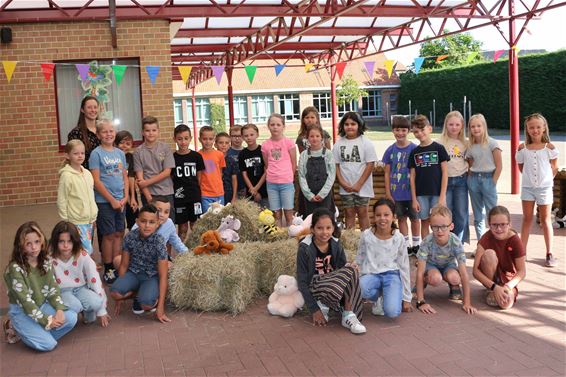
<point x="250" y="71"/>
<point x="119" y="71"/>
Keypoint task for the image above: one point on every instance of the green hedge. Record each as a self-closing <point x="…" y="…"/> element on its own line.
<point x="542" y="82"/>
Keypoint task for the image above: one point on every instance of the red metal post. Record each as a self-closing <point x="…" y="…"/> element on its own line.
<point x="194" y="104"/>
<point x="230" y="96"/>
<point x="333" y="100"/>
<point x="514" y="116"/>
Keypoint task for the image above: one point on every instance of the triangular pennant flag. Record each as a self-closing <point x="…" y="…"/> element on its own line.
<point x="441" y="58"/>
<point x="308" y="66"/>
<point x="340" y="66"/>
<point x="9" y="67"/>
<point x="389" y="67"/>
<point x="279" y="68"/>
<point x="119" y="71"/>
<point x="369" y="68"/>
<point x="418" y="62"/>
<point x="250" y="71"/>
<point x="185" y="72"/>
<point x="152" y="72"/>
<point x="471" y="57"/>
<point x="218" y="71"/>
<point x="83" y="70"/>
<point x="516" y="49"/>
<point x="497" y="54"/>
<point x="47" y="70"/>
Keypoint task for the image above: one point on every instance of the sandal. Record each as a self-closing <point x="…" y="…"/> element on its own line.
<point x="455" y="293"/>
<point x="550" y="261"/>
<point x="10" y="334"/>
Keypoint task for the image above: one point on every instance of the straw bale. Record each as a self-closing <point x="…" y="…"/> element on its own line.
<point x="276" y="258"/>
<point x="350" y="239"/>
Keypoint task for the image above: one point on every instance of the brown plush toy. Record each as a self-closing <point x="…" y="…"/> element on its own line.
<point x="211" y="242"/>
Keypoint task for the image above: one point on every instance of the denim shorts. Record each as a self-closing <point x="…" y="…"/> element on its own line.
<point x="426" y="202"/>
<point x="442" y="270"/>
<point x="207" y="201"/>
<point x="354" y="200"/>
<point x="541" y="195"/>
<point x="109" y="220"/>
<point x="404" y="208"/>
<point x="281" y="196"/>
<point x="147" y="287"/>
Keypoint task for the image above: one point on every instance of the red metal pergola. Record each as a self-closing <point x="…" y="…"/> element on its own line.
<point x="320" y="32"/>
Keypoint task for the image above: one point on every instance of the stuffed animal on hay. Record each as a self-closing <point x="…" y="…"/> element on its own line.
<point x="211" y="243"/>
<point x="228" y="229"/>
<point x="267" y="222"/>
<point x="299" y="227"/>
<point x="286" y="298"/>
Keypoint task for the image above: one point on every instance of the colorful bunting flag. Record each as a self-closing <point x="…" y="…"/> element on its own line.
<point x="47" y="70"/>
<point x="152" y="72"/>
<point x="83" y="70"/>
<point x="369" y="68"/>
<point x="418" y="62"/>
<point x="308" y="66"/>
<point x="9" y="67"/>
<point x="119" y="71"/>
<point x="497" y="54"/>
<point x="250" y="71"/>
<point x="340" y="66"/>
<point x="218" y="71"/>
<point x="185" y="72"/>
<point x="516" y="49"/>
<point x="471" y="57"/>
<point x="441" y="58"/>
<point x="279" y="68"/>
<point x="389" y="67"/>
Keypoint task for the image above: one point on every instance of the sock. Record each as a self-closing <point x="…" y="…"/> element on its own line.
<point x="108" y="266"/>
<point x="406" y="240"/>
<point x="346" y="313"/>
<point x="416" y="241"/>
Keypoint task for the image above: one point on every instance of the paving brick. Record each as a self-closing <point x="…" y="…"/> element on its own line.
<point x="274" y="366"/>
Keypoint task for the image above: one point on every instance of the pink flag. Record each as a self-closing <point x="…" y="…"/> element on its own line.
<point x="218" y="71"/>
<point x="369" y="68"/>
<point x="497" y="54"/>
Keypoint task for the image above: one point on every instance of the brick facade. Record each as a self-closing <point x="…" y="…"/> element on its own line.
<point x="29" y="151"/>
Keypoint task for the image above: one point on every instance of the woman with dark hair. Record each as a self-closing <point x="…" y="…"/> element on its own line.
<point x="85" y="130"/>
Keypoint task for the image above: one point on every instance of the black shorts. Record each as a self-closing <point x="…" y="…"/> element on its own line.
<point x="185" y="212"/>
<point x="404" y="208"/>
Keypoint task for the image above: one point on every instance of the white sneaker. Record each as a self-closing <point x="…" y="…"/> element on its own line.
<point x="377" y="307"/>
<point x="324" y="309"/>
<point x="353" y="323"/>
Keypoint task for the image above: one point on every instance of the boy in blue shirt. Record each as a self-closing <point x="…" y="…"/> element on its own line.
<point x="398" y="182"/>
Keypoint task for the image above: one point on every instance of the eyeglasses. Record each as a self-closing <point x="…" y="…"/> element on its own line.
<point x="236" y="136"/>
<point x="499" y="226"/>
<point x="437" y="228"/>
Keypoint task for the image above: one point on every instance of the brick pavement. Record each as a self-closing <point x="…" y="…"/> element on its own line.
<point x="525" y="341"/>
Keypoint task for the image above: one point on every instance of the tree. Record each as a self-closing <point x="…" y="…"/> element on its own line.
<point x="457" y="47"/>
<point x="217" y="117"/>
<point x="349" y="90"/>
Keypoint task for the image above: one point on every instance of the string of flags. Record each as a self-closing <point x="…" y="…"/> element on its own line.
<point x="218" y="70"/>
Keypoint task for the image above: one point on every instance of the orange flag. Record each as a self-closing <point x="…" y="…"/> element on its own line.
<point x="441" y="58"/>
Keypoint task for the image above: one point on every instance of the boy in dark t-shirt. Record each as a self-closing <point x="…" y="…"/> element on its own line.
<point x="429" y="172"/>
<point x="252" y="166"/>
<point x="186" y="181"/>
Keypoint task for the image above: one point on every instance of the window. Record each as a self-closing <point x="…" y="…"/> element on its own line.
<point x="323" y="103"/>
<point x="178" y="111"/>
<point x="240" y="109"/>
<point x="121" y="104"/>
<point x="289" y="106"/>
<point x="393" y="103"/>
<point x="203" y="112"/>
<point x="262" y="108"/>
<point x="343" y="109"/>
<point x="371" y="105"/>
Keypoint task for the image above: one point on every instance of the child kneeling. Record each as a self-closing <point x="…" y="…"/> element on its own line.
<point x="143" y="268"/>
<point x="325" y="280"/>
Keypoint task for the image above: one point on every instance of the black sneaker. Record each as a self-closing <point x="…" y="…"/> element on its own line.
<point x="110" y="276"/>
<point x="412" y="250"/>
<point x="136" y="307"/>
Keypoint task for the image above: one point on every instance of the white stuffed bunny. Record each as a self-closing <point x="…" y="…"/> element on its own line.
<point x="286" y="298"/>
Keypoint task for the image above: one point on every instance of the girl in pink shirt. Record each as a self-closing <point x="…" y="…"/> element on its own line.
<point x="280" y="161"/>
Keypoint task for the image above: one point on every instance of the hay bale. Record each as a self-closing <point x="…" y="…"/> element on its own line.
<point x="350" y="239"/>
<point x="276" y="258"/>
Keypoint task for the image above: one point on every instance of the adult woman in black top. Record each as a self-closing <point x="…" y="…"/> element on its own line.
<point x="86" y="126"/>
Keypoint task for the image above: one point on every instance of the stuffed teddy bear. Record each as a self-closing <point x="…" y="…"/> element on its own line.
<point x="211" y="242"/>
<point x="228" y="227"/>
<point x="286" y="298"/>
<point x="300" y="227"/>
<point x="215" y="208"/>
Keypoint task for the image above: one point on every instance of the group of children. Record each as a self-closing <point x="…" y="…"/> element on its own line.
<point x="427" y="184"/>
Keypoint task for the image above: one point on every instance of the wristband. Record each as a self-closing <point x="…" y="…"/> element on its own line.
<point x="492" y="287"/>
<point x="420" y="303"/>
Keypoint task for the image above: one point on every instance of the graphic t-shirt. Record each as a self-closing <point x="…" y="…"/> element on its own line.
<point x="457" y="152"/>
<point x="111" y="165"/>
<point x="277" y="152"/>
<point x="398" y="159"/>
<point x="252" y="163"/>
<point x="232" y="166"/>
<point x="323" y="262"/>
<point x="353" y="155"/>
<point x="441" y="256"/>
<point x="211" y="179"/>
<point x="184" y="175"/>
<point x="428" y="173"/>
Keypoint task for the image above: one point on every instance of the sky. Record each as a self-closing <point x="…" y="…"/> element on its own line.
<point x="544" y="34"/>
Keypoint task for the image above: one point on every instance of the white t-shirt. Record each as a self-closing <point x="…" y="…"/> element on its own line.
<point x="482" y="154"/>
<point x="537" y="171"/>
<point x="457" y="164"/>
<point x="353" y="155"/>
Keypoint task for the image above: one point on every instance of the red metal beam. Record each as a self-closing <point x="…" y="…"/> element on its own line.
<point x="245" y="32"/>
<point x="223" y="47"/>
<point x="208" y="59"/>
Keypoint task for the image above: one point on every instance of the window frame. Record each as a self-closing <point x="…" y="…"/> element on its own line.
<point x="255" y="118"/>
<point x="328" y="99"/>
<point x="237" y="100"/>
<point x="377" y="110"/>
<point x="295" y="100"/>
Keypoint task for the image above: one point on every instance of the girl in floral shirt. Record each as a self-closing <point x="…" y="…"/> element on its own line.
<point x="36" y="313"/>
<point x="75" y="272"/>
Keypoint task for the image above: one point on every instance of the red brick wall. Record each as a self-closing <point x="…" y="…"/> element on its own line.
<point x="29" y="153"/>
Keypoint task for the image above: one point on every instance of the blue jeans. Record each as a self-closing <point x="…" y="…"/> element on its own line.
<point x="387" y="284"/>
<point x="281" y="196"/>
<point x="457" y="201"/>
<point x="147" y="287"/>
<point x="208" y="200"/>
<point x="483" y="196"/>
<point x="82" y="299"/>
<point x="33" y="334"/>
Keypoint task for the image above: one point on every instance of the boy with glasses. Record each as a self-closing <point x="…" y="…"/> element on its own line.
<point x="441" y="257"/>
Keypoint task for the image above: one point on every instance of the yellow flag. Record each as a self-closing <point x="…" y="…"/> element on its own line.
<point x="517" y="50"/>
<point x="389" y="67"/>
<point x="308" y="67"/>
<point x="9" y="67"/>
<point x="185" y="72"/>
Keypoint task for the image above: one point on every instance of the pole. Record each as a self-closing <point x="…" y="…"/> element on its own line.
<point x="230" y="96"/>
<point x="464" y="107"/>
<point x="434" y="113"/>
<point x="388" y="115"/>
<point x="410" y="113"/>
<point x="513" y="100"/>
<point x="451" y="106"/>
<point x="333" y="100"/>
<point x="194" y="106"/>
